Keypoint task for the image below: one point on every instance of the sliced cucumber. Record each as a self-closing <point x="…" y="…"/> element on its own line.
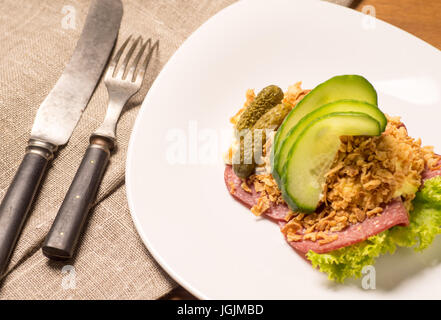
<point x="281" y="154"/>
<point x="312" y="155"/>
<point x="340" y="87"/>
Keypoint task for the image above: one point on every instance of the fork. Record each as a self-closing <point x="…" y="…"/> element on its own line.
<point x="122" y="83"/>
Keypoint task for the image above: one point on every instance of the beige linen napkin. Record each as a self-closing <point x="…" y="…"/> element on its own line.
<point x="37" y="38"/>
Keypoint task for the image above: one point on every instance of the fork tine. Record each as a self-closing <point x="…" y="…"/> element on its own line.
<point x="114" y="61"/>
<point x="122" y="68"/>
<point x="142" y="70"/>
<point x="130" y="74"/>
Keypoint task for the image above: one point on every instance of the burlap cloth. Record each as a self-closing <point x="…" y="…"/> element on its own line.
<point x="35" y="44"/>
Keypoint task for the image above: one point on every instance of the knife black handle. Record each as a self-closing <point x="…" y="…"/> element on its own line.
<point x="18" y="199"/>
<point x="61" y="241"/>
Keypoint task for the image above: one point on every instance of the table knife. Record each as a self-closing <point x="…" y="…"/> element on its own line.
<point x="57" y="117"/>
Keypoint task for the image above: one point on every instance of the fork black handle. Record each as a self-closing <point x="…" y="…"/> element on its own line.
<point x="17" y="201"/>
<point x="62" y="239"/>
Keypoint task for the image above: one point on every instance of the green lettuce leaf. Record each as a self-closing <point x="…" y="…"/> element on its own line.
<point x="349" y="261"/>
<point x="424" y="226"/>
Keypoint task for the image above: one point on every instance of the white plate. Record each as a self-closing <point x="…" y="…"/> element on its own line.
<point x="205" y="240"/>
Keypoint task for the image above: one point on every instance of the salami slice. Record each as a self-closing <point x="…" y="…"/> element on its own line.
<point x="393" y="214"/>
<point x="429" y="174"/>
<point x="249" y="199"/>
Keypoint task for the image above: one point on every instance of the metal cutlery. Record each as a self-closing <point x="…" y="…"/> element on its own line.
<point x="57" y="117"/>
<point x="122" y="83"/>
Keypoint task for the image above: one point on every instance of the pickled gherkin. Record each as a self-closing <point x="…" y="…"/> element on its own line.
<point x="271" y="120"/>
<point x="265" y="100"/>
<point x="243" y="158"/>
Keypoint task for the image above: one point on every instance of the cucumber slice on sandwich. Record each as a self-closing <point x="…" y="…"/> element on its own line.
<point x="312" y="155"/>
<point x="340" y="87"/>
<point x="281" y="156"/>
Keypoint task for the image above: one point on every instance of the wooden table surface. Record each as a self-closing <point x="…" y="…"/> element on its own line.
<point x="420" y="18"/>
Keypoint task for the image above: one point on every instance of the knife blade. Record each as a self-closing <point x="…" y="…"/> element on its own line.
<point x="57" y="117"/>
<point x="60" y="111"/>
